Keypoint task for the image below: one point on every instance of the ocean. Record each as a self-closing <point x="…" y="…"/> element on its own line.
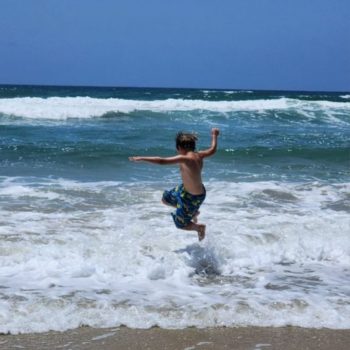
<point x="85" y="240"/>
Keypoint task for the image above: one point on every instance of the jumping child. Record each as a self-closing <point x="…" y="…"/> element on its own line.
<point x="187" y="197"/>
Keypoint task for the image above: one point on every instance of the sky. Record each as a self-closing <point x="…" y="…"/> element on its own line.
<point x="227" y="44"/>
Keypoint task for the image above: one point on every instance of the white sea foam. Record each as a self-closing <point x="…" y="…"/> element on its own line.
<point x="106" y="254"/>
<point x="61" y="108"/>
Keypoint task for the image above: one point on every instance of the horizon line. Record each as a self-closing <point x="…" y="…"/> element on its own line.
<point x="170" y="88"/>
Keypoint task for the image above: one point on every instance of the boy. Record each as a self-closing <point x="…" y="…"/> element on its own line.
<point x="187" y="197"/>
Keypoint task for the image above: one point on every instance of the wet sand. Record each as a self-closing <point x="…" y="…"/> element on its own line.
<point x="250" y="338"/>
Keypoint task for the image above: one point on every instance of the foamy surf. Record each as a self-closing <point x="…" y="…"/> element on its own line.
<point x="63" y="108"/>
<point x="105" y="254"/>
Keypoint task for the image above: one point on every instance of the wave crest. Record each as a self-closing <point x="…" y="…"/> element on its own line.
<point x="62" y="108"/>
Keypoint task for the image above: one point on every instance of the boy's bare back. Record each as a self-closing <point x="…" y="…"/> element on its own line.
<point x="191" y="173"/>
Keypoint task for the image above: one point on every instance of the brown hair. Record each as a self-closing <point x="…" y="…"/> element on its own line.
<point x="186" y="141"/>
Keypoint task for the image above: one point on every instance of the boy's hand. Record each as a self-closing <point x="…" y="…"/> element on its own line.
<point x="135" y="159"/>
<point x="215" y="132"/>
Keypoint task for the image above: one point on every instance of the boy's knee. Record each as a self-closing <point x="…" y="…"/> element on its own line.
<point x="179" y="222"/>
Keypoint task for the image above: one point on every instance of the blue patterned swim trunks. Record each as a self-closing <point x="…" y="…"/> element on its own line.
<point x="186" y="204"/>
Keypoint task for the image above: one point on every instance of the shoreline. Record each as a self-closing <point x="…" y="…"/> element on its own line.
<point x="240" y="338"/>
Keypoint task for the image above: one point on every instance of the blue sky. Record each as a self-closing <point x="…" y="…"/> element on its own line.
<point x="243" y="44"/>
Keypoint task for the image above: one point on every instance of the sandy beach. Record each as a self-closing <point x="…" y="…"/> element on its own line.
<point x="250" y="338"/>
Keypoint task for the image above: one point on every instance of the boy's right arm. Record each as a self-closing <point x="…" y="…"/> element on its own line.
<point x="214" y="142"/>
<point x="160" y="160"/>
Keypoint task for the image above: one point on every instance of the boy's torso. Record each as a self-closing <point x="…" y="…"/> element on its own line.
<point x="191" y="173"/>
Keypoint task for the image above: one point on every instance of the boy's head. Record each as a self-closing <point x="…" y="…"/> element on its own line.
<point x="186" y="141"/>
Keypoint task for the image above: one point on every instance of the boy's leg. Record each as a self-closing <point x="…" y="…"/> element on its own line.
<point x="200" y="228"/>
<point x="195" y="216"/>
<point x="168" y="204"/>
<point x="170" y="197"/>
<point x="183" y="220"/>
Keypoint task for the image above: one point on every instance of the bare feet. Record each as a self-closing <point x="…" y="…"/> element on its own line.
<point x="201" y="231"/>
<point x="200" y="228"/>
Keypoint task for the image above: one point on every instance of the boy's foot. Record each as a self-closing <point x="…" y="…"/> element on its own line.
<point x="201" y="231"/>
<point x="195" y="216"/>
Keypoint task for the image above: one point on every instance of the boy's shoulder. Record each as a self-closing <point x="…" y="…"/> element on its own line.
<point x="194" y="157"/>
<point x="192" y="154"/>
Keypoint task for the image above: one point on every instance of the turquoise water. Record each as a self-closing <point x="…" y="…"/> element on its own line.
<point x="50" y="131"/>
<point x="84" y="236"/>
